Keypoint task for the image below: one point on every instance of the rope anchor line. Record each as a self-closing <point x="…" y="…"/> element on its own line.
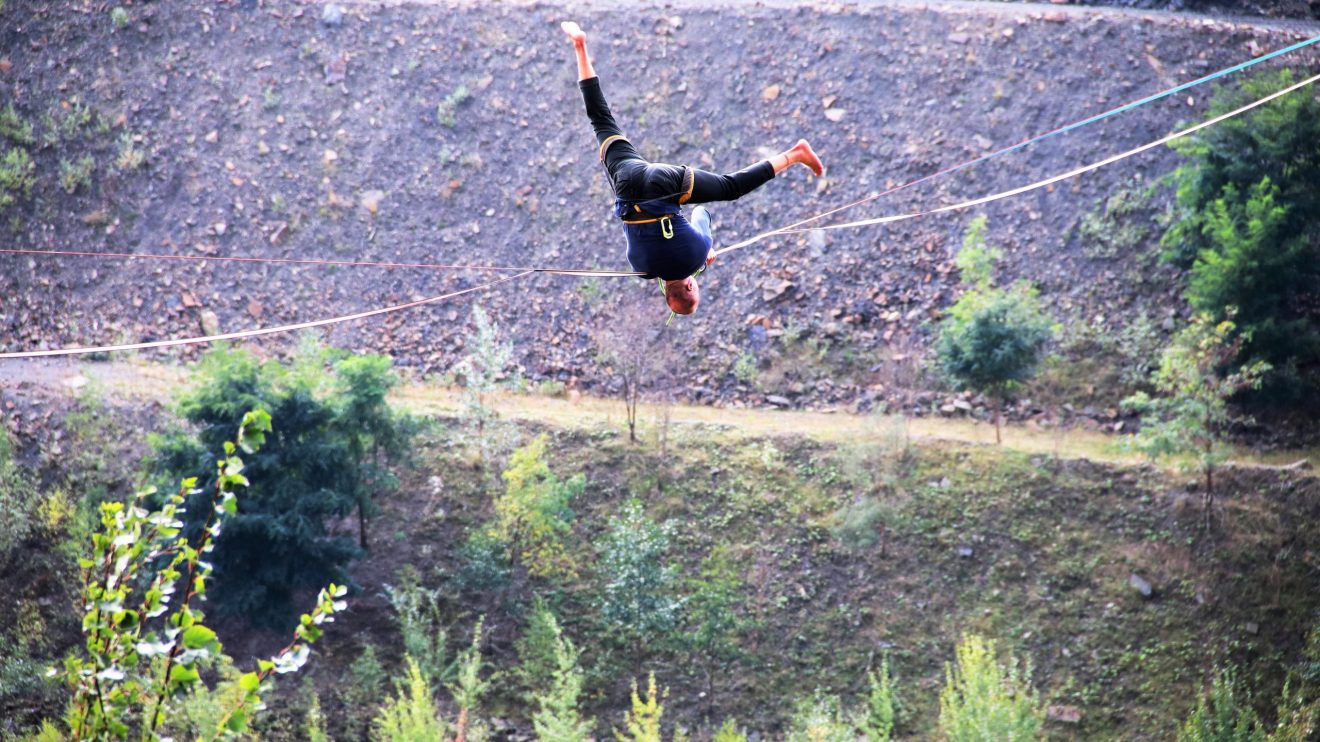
<point x="790" y="229"/>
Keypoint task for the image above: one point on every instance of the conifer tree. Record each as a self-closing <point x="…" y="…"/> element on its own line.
<point x="557" y="718"/>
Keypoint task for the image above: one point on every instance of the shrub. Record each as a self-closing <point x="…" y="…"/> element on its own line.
<point x="75" y="174"/>
<point x="14" y="128"/>
<point x="444" y="112"/>
<point x="985" y="701"/>
<point x="1255" y="265"/>
<point x="877" y="720"/>
<point x="17" y="176"/>
<point x="18" y="500"/>
<point x="729" y="732"/>
<point x="641" y="722"/>
<point x="1246" y="224"/>
<point x="119" y="18"/>
<point x="820" y="719"/>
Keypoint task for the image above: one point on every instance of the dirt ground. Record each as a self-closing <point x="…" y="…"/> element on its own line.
<point x="423" y="133"/>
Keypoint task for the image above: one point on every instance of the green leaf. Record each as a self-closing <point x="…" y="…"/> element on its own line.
<point x="183" y="675"/>
<point x="250" y="682"/>
<point x="197" y="636"/>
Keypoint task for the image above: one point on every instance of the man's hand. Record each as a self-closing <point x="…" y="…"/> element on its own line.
<point x="710" y="257"/>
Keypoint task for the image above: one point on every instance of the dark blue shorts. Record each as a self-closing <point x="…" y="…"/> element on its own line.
<point x="672" y="257"/>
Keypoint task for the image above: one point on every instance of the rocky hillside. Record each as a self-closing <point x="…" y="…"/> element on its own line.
<point x="454" y="133"/>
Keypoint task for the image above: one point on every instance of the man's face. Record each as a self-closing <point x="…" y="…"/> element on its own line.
<point x="682" y="296"/>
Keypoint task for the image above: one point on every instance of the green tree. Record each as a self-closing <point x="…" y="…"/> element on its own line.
<point x="468" y="687"/>
<point x="1253" y="263"/>
<point x="533" y="514"/>
<point x="484" y="370"/>
<point x="714" y="598"/>
<point x="145" y="654"/>
<point x="985" y="701"/>
<point x="640" y="589"/>
<point x="277" y="543"/>
<point x="1278" y="142"/>
<point x="557" y="718"/>
<point x="1191" y="415"/>
<point x="992" y="339"/>
<point x="374" y="433"/>
<point x="1247" y="224"/>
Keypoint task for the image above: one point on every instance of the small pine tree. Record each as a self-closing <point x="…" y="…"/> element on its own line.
<point x="820" y="719"/>
<point x="468" y="687"/>
<point x="1222" y="715"/>
<point x="362" y="693"/>
<point x="557" y="718"/>
<point x="411" y="715"/>
<point x="992" y="339"/>
<point x="984" y="701"/>
<point x="1191" y="414"/>
<point x="424" y="636"/>
<point x="712" y="616"/>
<point x="877" y="721"/>
<point x="538" y="652"/>
<point x="729" y="732"/>
<point x="641" y="723"/>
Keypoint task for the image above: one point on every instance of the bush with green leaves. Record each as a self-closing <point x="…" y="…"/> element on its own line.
<point x="1247" y="225"/>
<point x="14" y="128"/>
<point x="533" y="516"/>
<point x="992" y="339"/>
<point x="639" y="597"/>
<point x="984" y="700"/>
<point x="1191" y="416"/>
<point x="145" y="654"/>
<point x="322" y="462"/>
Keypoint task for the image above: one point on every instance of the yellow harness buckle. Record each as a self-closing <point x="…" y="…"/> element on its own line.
<point x="667" y="227"/>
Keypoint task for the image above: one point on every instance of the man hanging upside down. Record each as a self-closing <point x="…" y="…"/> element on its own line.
<point x="648" y="196"/>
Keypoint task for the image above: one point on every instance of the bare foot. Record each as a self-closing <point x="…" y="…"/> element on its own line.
<point x="574" y="32"/>
<point x="805" y="155"/>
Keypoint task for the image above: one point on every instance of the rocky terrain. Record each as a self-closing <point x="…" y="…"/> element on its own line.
<point x="428" y="133"/>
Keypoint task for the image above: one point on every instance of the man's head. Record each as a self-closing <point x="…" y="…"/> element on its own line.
<point x="682" y="295"/>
